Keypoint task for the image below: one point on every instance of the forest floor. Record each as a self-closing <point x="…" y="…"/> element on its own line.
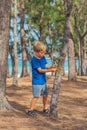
<point x="72" y="109"/>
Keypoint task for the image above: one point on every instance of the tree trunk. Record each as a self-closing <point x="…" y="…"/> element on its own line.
<point x="71" y="53"/>
<point x="5" y="6"/>
<point x="57" y="80"/>
<point x="23" y="42"/>
<point x="81" y="57"/>
<point x="81" y="40"/>
<point x="55" y="95"/>
<point x="71" y="58"/>
<point x="15" y="74"/>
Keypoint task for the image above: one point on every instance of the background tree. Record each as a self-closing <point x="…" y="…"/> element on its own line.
<point x="15" y="74"/>
<point x="23" y="39"/>
<point x="80" y="25"/>
<point x="69" y="40"/>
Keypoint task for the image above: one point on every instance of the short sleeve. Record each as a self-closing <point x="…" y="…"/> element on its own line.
<point x="35" y="63"/>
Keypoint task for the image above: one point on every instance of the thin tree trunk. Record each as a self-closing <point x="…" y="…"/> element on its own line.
<point x="81" y="40"/>
<point x="15" y="75"/>
<point x="23" y="41"/>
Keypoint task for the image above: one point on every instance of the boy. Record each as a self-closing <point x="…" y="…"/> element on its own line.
<point x="39" y="69"/>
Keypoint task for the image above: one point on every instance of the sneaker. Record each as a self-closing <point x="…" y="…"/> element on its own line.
<point x="31" y="113"/>
<point x="46" y="111"/>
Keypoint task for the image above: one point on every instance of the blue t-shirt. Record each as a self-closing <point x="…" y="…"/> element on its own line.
<point x="37" y="77"/>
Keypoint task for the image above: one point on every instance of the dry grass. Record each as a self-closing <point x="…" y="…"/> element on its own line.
<point x="72" y="114"/>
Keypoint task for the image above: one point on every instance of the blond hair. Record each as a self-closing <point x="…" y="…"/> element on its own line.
<point x="39" y="46"/>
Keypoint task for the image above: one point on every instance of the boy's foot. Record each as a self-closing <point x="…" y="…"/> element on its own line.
<point x="31" y="113"/>
<point x="46" y="111"/>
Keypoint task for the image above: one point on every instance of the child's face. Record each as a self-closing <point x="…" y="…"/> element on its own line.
<point x="40" y="54"/>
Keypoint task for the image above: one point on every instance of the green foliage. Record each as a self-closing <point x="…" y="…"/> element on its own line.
<point x="51" y="15"/>
<point x="80" y="12"/>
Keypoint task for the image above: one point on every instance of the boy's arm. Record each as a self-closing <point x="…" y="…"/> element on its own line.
<point x="48" y="69"/>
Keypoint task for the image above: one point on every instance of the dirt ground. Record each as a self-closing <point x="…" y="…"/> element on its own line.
<point x="72" y="109"/>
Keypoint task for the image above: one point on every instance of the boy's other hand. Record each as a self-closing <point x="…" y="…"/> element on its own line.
<point x="53" y="69"/>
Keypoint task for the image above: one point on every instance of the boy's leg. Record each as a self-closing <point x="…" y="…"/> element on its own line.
<point x="45" y="97"/>
<point x="33" y="102"/>
<point x="45" y="104"/>
<point x="45" y="101"/>
<point x="31" y="111"/>
<point x="36" y="89"/>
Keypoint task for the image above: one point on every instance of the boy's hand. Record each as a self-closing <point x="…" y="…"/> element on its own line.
<point x="54" y="66"/>
<point x="58" y="69"/>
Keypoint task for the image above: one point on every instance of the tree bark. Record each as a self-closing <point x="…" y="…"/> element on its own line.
<point x="71" y="61"/>
<point x="5" y="6"/>
<point x="23" y="41"/>
<point x="15" y="74"/>
<point x="58" y="77"/>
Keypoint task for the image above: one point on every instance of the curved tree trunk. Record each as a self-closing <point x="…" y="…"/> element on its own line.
<point x="55" y="95"/>
<point x="4" y="39"/>
<point x="58" y="77"/>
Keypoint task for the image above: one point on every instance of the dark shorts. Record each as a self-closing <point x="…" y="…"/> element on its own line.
<point x="39" y="90"/>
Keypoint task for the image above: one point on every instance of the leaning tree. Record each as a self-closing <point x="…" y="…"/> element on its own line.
<point x="67" y="40"/>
